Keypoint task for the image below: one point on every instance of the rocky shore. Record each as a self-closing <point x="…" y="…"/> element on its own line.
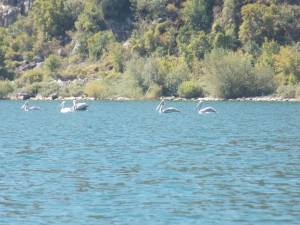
<point x="172" y="98"/>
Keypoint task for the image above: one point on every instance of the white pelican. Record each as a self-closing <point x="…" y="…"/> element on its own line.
<point x="80" y="106"/>
<point x="161" y="108"/>
<point x="64" y="109"/>
<point x="27" y="108"/>
<point x="206" y="109"/>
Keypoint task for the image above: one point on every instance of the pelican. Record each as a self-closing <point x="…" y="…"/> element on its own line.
<point x="80" y="106"/>
<point x="27" y="108"/>
<point x="64" y="109"/>
<point x="206" y="109"/>
<point x="161" y="108"/>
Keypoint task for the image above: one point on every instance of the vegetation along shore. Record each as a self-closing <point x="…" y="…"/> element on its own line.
<point x="145" y="49"/>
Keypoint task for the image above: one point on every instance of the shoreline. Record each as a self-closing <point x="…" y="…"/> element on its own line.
<point x="169" y="98"/>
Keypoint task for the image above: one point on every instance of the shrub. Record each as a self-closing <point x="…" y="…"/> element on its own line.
<point x="175" y="71"/>
<point x="190" y="89"/>
<point x="98" y="44"/>
<point x="264" y="80"/>
<point x="31" y="76"/>
<point x="287" y="91"/>
<point x="49" y="88"/>
<point x="128" y="88"/>
<point x="33" y="89"/>
<point x="71" y="90"/>
<point x="96" y="89"/>
<point x="133" y="70"/>
<point x="231" y="75"/>
<point x="118" y="58"/>
<point x="154" y="91"/>
<point x="52" y="63"/>
<point x="298" y="91"/>
<point x="5" y="89"/>
<point x="287" y="64"/>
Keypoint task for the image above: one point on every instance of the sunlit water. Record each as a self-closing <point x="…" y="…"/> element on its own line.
<point x="123" y="163"/>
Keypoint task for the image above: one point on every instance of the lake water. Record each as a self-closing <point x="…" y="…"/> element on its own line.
<point x="123" y="163"/>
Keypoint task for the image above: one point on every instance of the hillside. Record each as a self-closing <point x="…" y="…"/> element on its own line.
<point x="150" y="48"/>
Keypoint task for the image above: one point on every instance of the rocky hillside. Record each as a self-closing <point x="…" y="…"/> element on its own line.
<point x="149" y="48"/>
<point x="11" y="9"/>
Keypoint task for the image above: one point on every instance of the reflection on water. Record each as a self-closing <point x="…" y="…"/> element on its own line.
<point x="122" y="163"/>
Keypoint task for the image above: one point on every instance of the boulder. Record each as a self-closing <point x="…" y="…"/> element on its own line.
<point x="11" y="9"/>
<point x="26" y="66"/>
<point x="23" y="95"/>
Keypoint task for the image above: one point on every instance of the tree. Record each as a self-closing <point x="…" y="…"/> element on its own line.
<point x="4" y="73"/>
<point x="287" y="65"/>
<point x="268" y="49"/>
<point x="278" y="22"/>
<point x="190" y="89"/>
<point x="98" y="44"/>
<point x="197" y="13"/>
<point x="5" y="89"/>
<point x="149" y="9"/>
<point x="231" y="75"/>
<point x="257" y="23"/>
<point x="116" y="9"/>
<point x="51" y="18"/>
<point x="91" y="19"/>
<point x="52" y="63"/>
<point x="229" y="17"/>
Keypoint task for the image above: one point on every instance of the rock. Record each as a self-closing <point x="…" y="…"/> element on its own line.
<point x="61" y="52"/>
<point x="179" y="99"/>
<point x="54" y="96"/>
<point x="38" y="59"/>
<point x="122" y="99"/>
<point x="17" y="57"/>
<point x="11" y="9"/>
<point x="126" y="45"/>
<point x="8" y="15"/>
<point x="26" y="66"/>
<point x="23" y="95"/>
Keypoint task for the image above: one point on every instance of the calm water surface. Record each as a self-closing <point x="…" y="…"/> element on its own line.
<point x="122" y="163"/>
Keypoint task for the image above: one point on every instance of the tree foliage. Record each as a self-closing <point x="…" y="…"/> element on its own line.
<point x="51" y="17"/>
<point x="228" y="48"/>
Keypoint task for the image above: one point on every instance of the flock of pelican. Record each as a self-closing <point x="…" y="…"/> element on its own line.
<point x="161" y="108"/>
<point x="84" y="106"/>
<point x="75" y="107"/>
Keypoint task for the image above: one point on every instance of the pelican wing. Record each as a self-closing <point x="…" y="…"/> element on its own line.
<point x="170" y="110"/>
<point x="81" y="106"/>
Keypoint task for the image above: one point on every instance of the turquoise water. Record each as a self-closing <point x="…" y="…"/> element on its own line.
<point x="122" y="163"/>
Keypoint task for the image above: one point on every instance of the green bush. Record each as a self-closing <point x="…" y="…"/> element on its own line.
<point x="298" y="91"/>
<point x="287" y="91"/>
<point x="71" y="90"/>
<point x="98" y="44"/>
<point x="52" y="63"/>
<point x="96" y="89"/>
<point x="264" y="80"/>
<point x="127" y="88"/>
<point x="33" y="89"/>
<point x="190" y="89"/>
<point x="48" y="89"/>
<point x="5" y="89"/>
<point x="230" y="74"/>
<point x="154" y="91"/>
<point x="32" y="76"/>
